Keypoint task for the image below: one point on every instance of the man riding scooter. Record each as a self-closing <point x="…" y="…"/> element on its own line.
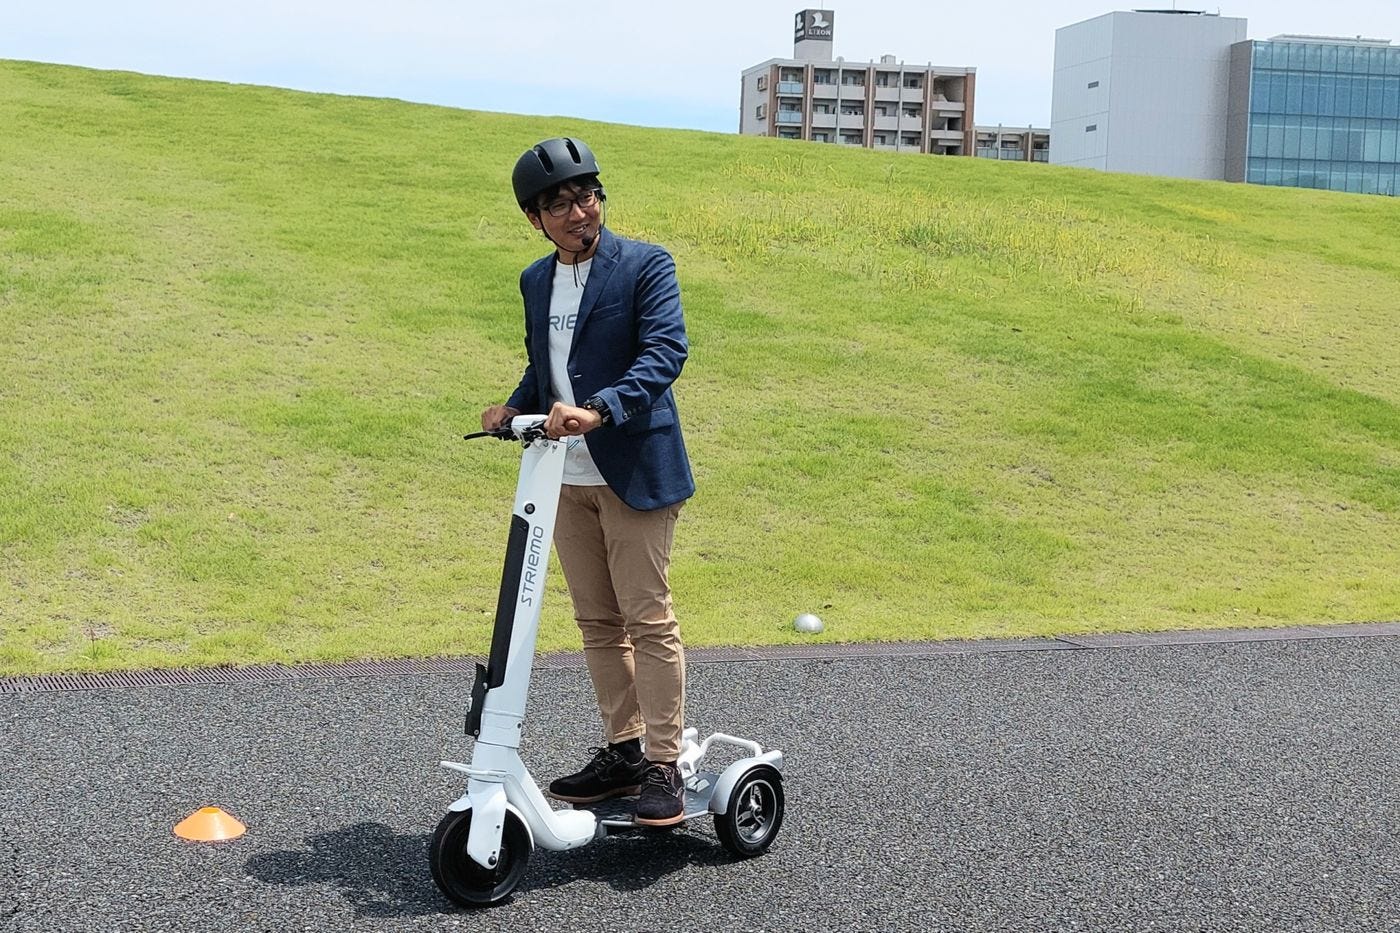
<point x="605" y="339"/>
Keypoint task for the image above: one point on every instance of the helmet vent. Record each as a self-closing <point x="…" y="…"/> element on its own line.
<point x="547" y="164"/>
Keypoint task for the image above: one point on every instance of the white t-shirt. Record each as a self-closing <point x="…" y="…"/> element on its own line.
<point x="579" y="468"/>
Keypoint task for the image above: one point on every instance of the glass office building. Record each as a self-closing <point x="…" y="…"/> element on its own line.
<point x="1315" y="112"/>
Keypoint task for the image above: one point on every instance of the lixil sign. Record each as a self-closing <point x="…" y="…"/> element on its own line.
<point x="814" y="24"/>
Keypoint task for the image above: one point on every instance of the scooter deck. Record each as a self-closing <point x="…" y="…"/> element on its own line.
<point x="618" y="814"/>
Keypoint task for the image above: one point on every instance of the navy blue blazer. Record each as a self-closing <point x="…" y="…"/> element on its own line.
<point x="629" y="346"/>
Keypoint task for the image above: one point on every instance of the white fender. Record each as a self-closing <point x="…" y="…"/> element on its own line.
<point x="724" y="787"/>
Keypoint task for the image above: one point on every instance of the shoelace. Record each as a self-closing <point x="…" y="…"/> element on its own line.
<point x="659" y="775"/>
<point x="604" y="758"/>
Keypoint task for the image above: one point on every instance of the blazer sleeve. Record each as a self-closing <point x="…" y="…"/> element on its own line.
<point x="661" y="341"/>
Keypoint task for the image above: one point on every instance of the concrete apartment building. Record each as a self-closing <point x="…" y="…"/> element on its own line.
<point x="1013" y="143"/>
<point x="1315" y="112"/>
<point x="887" y="105"/>
<point x="1146" y="91"/>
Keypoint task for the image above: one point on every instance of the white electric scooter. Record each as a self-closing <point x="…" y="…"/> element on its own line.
<point x="480" y="849"/>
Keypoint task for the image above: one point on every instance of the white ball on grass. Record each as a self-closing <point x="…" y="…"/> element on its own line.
<point x="807" y="624"/>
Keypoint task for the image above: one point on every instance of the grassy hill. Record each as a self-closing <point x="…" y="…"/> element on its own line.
<point x="243" y="329"/>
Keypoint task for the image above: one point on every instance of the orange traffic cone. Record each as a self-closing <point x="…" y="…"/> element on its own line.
<point x="209" y="824"/>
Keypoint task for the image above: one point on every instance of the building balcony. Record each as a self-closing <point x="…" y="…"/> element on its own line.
<point x="788" y="116"/>
<point x="888" y="123"/>
<point x="887" y="93"/>
<point x="946" y="136"/>
<point x="825" y="121"/>
<point x="824" y="91"/>
<point x="951" y="108"/>
<point x="790" y="88"/>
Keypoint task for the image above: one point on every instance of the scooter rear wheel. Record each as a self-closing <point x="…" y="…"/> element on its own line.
<point x="751" y="821"/>
<point x="459" y="876"/>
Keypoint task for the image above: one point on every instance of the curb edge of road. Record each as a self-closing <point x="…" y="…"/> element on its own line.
<point x="821" y="651"/>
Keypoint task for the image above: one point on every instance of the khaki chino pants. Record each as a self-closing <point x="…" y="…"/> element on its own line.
<point x="616" y="561"/>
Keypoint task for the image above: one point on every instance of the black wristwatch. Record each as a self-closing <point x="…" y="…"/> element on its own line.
<point x="597" y="404"/>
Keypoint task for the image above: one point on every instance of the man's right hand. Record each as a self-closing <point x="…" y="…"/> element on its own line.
<point x="497" y="417"/>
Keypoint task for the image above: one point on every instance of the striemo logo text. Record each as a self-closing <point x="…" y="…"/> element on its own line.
<point x="534" y="566"/>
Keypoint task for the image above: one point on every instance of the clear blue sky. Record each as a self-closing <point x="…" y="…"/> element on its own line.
<point x="626" y="61"/>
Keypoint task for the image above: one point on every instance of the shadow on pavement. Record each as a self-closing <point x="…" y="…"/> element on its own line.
<point x="626" y="863"/>
<point x="385" y="874"/>
<point x="382" y="873"/>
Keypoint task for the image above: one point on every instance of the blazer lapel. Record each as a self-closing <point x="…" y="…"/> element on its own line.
<point x="604" y="261"/>
<point x="537" y="295"/>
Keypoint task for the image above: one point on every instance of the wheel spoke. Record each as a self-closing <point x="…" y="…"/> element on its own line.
<point x="752" y="816"/>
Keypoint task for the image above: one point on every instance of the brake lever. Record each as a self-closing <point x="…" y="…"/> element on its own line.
<point x="530" y="434"/>
<point x="502" y="434"/>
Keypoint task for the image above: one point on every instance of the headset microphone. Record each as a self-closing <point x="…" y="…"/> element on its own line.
<point x="588" y="238"/>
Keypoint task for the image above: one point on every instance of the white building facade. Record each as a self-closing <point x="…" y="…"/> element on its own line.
<point x="1146" y="92"/>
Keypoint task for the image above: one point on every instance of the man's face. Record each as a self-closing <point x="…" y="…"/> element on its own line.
<point x="576" y="217"/>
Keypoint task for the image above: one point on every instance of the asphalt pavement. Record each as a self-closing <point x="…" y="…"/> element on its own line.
<point x="1244" y="786"/>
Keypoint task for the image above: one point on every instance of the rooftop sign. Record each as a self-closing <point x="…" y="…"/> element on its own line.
<point x="813" y="24"/>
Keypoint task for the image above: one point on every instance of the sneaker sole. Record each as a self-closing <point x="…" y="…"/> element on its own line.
<point x="668" y="821"/>
<point x="631" y="791"/>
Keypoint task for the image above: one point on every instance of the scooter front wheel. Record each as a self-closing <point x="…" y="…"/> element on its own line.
<point x="459" y="876"/>
<point x="754" y="814"/>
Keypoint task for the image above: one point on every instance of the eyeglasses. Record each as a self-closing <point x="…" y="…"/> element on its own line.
<point x="564" y="206"/>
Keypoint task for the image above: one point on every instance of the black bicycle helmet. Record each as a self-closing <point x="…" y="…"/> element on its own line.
<point x="550" y="163"/>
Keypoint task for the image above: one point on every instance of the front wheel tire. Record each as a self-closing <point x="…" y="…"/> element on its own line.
<point x="459" y="876"/>
<point x="754" y="815"/>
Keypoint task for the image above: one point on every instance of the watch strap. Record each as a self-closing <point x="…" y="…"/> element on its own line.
<point x="597" y="404"/>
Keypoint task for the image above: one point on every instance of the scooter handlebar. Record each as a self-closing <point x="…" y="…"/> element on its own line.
<point x="504" y="434"/>
<point x="526" y="429"/>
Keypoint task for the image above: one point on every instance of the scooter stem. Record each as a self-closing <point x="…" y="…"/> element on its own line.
<point x="502" y="688"/>
<point x="499" y="695"/>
